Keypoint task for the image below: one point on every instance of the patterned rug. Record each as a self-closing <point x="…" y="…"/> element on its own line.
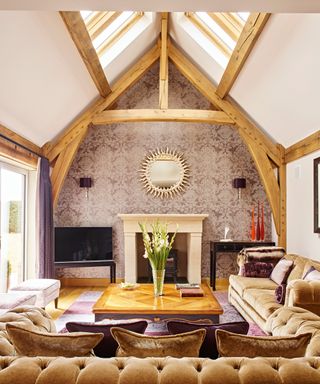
<point x="80" y="311"/>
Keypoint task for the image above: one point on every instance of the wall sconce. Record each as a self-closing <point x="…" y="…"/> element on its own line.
<point x="86" y="182"/>
<point x="239" y="183"/>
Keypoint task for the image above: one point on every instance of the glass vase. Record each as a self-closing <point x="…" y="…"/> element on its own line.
<point x="158" y="279"/>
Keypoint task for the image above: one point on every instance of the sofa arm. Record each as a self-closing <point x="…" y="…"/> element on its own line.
<point x="304" y="294"/>
<point x="28" y="317"/>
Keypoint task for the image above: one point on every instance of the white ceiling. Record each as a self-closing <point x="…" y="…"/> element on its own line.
<point x="279" y="85"/>
<point x="274" y="6"/>
<point x="44" y="83"/>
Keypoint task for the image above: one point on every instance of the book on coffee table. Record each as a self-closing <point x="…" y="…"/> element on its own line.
<point x="187" y="286"/>
<point x="194" y="292"/>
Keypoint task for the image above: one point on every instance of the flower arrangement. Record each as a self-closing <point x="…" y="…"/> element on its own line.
<point x="157" y="248"/>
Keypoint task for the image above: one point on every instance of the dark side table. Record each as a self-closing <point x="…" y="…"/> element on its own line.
<point x="229" y="247"/>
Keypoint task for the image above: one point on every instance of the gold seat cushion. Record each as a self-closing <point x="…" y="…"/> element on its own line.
<point x="241" y="283"/>
<point x="263" y="301"/>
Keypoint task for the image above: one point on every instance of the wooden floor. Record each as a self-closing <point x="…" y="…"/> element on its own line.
<point x="68" y="295"/>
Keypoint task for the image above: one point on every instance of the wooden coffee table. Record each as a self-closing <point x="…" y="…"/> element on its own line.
<point x="118" y="303"/>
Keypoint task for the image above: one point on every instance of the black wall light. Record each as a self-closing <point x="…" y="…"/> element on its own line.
<point x="86" y="182"/>
<point x="239" y="183"/>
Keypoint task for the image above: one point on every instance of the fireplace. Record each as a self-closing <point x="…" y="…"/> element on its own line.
<point x="191" y="225"/>
<point x="179" y="250"/>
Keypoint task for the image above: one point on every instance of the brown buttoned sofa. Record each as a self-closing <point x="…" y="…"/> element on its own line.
<point x="131" y="370"/>
<point x="255" y="299"/>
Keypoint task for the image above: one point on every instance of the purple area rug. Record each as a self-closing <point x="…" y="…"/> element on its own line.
<point x="80" y="311"/>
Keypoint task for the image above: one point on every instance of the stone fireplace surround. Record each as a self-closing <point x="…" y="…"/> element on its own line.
<point x="191" y="224"/>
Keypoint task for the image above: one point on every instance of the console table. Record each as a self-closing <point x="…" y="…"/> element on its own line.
<point x="229" y="247"/>
<point x="82" y="264"/>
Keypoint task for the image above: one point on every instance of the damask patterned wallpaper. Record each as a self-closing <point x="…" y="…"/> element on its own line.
<point x="112" y="156"/>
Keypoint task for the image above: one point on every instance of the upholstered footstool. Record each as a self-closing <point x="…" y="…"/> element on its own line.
<point x="15" y="299"/>
<point x="45" y="290"/>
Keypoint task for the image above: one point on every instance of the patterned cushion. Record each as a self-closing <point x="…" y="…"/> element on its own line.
<point x="257" y="269"/>
<point x="280" y="293"/>
<point x="263" y="254"/>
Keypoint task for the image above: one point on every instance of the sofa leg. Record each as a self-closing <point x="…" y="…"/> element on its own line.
<point x="56" y="302"/>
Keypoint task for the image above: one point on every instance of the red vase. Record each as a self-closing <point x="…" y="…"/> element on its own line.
<point x="258" y="224"/>
<point x="253" y="230"/>
<point x="262" y="224"/>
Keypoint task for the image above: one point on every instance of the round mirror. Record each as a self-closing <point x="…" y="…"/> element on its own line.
<point x="164" y="173"/>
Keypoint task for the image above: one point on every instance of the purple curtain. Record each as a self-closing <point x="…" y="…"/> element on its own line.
<point x="45" y="221"/>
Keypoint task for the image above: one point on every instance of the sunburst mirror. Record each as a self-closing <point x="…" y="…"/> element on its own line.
<point x="164" y="173"/>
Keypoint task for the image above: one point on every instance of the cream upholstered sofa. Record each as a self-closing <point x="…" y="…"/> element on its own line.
<point x="130" y="370"/>
<point x="255" y="299"/>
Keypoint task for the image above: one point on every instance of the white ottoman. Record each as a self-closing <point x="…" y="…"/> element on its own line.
<point x="46" y="290"/>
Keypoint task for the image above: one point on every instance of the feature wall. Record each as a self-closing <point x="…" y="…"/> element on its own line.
<point x="112" y="155"/>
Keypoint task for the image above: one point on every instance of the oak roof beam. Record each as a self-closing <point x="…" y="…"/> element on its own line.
<point x="163" y="81"/>
<point x="247" y="39"/>
<point x="176" y="115"/>
<point x="303" y="147"/>
<point x="81" y="38"/>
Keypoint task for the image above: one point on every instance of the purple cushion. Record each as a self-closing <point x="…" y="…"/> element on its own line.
<point x="108" y="346"/>
<point x="280" y="293"/>
<point x="257" y="269"/>
<point x="209" y="346"/>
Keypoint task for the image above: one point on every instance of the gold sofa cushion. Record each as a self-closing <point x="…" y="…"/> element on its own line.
<point x="182" y="345"/>
<point x="241" y="283"/>
<point x="232" y="344"/>
<point x="34" y="343"/>
<point x="263" y="301"/>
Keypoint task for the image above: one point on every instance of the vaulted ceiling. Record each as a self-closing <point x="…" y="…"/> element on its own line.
<point x="65" y="70"/>
<point x="45" y="84"/>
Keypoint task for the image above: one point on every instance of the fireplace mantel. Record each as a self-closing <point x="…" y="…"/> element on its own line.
<point x="187" y="223"/>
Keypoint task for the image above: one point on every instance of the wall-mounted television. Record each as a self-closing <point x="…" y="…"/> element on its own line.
<point x="83" y="244"/>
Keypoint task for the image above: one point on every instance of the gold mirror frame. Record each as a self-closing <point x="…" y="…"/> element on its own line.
<point x="164" y="155"/>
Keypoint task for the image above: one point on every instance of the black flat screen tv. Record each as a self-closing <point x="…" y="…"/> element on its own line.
<point x="83" y="244"/>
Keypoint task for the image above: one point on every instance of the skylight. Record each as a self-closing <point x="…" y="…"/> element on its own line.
<point x="215" y="28"/>
<point x="107" y="28"/>
<point x="221" y="29"/>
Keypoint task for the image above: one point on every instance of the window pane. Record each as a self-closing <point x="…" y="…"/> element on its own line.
<point x="12" y="227"/>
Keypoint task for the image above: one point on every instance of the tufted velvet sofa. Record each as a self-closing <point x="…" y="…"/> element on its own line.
<point x="44" y="370"/>
<point x="131" y="370"/>
<point x="254" y="298"/>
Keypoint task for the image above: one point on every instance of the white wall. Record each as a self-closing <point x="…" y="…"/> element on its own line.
<point x="301" y="238"/>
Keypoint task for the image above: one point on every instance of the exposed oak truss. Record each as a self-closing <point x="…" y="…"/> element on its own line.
<point x="268" y="156"/>
<point x="62" y="151"/>
<point x="265" y="153"/>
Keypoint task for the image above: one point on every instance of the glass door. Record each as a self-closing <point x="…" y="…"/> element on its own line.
<point x="12" y="226"/>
